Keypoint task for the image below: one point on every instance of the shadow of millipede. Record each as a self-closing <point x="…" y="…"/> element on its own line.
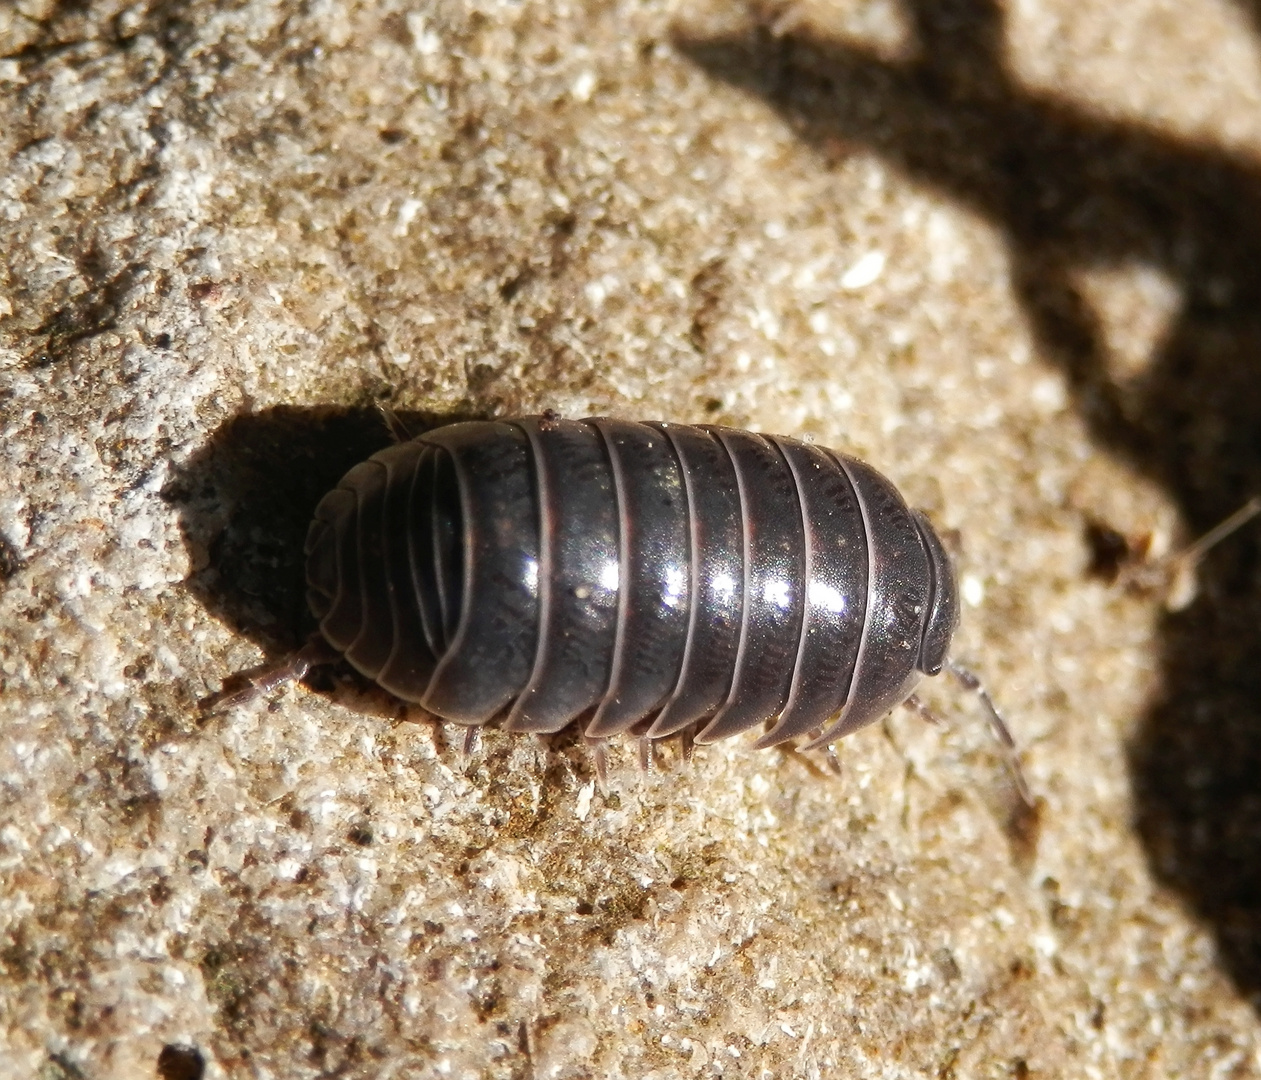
<point x="245" y="500"/>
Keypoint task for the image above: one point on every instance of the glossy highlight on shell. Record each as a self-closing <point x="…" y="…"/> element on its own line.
<point x="636" y="578"/>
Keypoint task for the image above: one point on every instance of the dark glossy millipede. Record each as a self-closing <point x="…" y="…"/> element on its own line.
<point x="642" y="578"/>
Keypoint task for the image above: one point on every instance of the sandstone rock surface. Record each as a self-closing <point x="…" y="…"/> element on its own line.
<point x="1007" y="254"/>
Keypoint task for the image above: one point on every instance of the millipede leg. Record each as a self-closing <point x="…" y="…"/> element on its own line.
<point x="263" y="680"/>
<point x="687" y="744"/>
<point x="997" y="725"/>
<point x="471" y="735"/>
<point x="834" y="761"/>
<point x="923" y="711"/>
<point x="646" y="754"/>
<point x="829" y="753"/>
<point x="600" y="752"/>
<point x="394" y="425"/>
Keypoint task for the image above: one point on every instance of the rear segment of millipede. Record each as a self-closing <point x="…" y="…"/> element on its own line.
<point x="642" y="578"/>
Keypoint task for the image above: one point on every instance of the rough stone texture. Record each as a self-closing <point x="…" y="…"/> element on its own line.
<point x="1010" y="256"/>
